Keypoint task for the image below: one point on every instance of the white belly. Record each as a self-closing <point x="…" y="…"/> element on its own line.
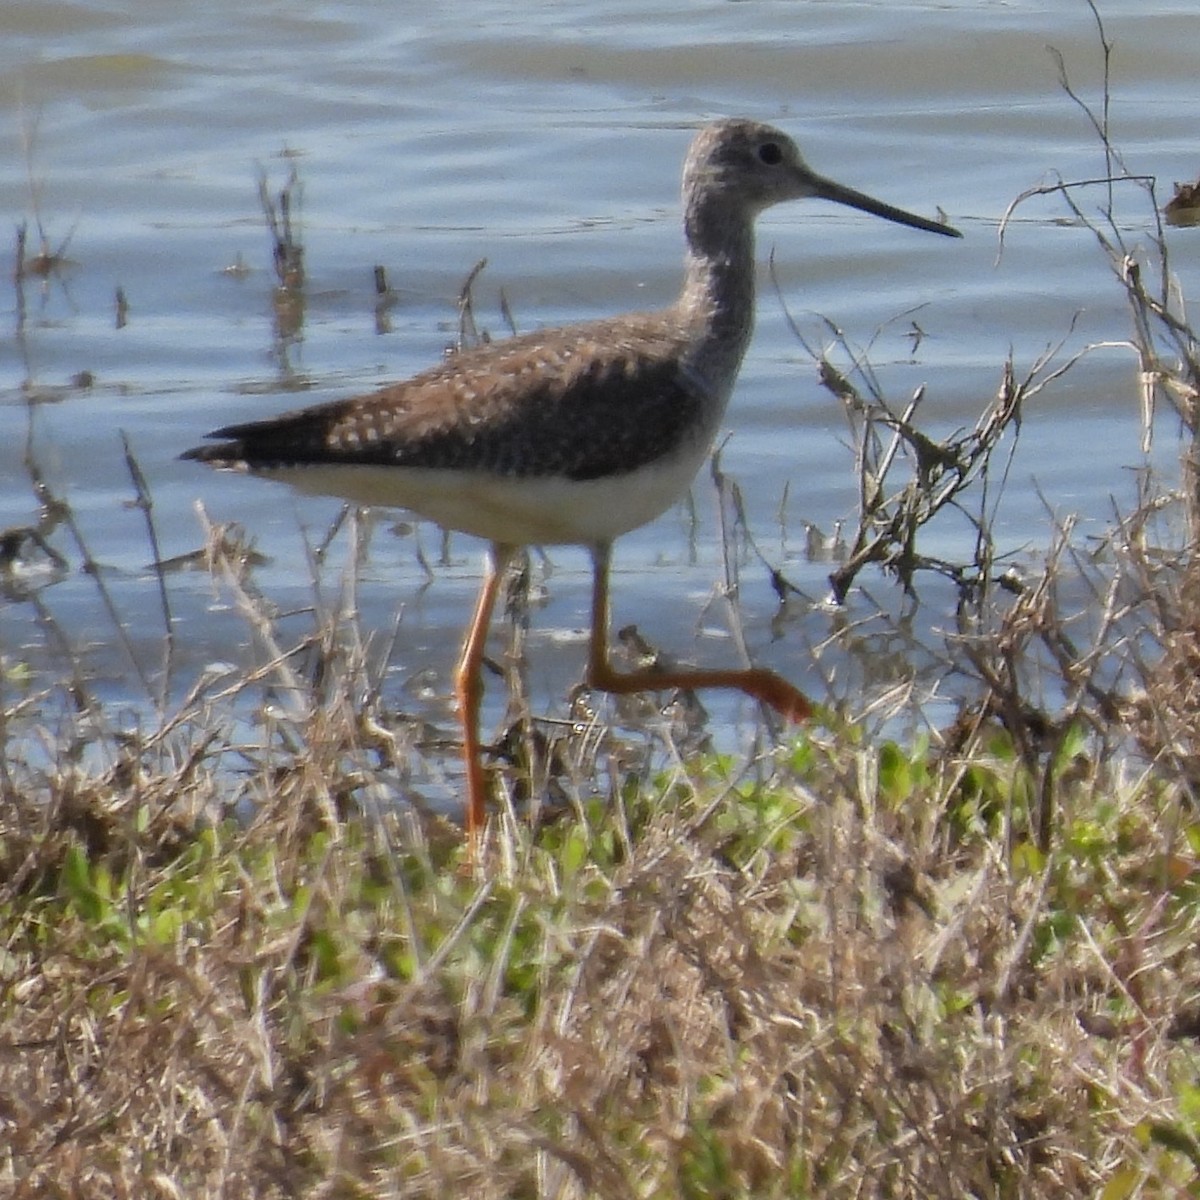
<point x="520" y="511"/>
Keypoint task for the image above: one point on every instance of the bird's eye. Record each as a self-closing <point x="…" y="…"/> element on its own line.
<point x="770" y="153"/>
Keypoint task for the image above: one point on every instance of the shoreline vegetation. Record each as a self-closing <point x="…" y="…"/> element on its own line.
<point x="963" y="964"/>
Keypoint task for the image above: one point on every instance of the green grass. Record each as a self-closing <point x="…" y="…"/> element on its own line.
<point x="958" y="965"/>
<point x="861" y="977"/>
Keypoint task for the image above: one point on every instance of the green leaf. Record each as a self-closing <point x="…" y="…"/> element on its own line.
<point x="1173" y="1138"/>
<point x="895" y="773"/>
<point x="76" y="882"/>
<point x="574" y="852"/>
<point x="1122" y="1185"/>
<point x="1028" y="862"/>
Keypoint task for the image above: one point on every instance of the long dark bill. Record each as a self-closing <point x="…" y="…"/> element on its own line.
<point x="828" y="190"/>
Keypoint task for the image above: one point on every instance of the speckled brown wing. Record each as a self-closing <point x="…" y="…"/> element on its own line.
<point x="582" y="402"/>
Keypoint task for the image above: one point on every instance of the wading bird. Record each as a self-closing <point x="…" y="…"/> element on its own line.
<point x="572" y="435"/>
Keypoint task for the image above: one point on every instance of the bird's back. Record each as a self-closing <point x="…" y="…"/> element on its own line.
<point x="581" y="402"/>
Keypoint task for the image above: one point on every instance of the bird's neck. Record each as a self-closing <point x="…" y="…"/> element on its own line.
<point x="717" y="300"/>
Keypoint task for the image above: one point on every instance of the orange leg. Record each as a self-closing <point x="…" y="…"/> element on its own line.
<point x="761" y="684"/>
<point x="468" y="686"/>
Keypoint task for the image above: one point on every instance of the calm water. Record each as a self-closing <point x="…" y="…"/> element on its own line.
<point x="548" y="138"/>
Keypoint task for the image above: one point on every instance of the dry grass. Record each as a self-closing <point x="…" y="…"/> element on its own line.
<point x="963" y="966"/>
<point x="860" y="977"/>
